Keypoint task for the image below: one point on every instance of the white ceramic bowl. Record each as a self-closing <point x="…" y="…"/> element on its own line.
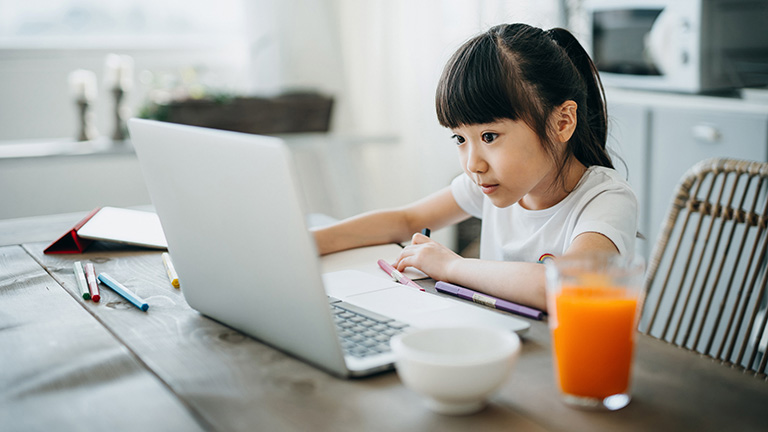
<point x="455" y="368"/>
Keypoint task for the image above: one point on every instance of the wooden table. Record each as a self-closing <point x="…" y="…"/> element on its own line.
<point x="68" y="364"/>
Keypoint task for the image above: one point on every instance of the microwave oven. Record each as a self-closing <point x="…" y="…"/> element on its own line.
<point x="687" y="46"/>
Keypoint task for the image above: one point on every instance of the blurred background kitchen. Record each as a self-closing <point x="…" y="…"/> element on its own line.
<point x="348" y="83"/>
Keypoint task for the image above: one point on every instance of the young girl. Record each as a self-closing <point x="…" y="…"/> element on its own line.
<point x="526" y="109"/>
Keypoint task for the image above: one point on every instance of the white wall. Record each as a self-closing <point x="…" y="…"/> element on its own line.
<point x="38" y="186"/>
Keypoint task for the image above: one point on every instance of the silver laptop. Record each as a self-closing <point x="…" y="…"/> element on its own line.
<point x="231" y="209"/>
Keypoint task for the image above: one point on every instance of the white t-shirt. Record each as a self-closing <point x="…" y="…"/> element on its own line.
<point x="602" y="202"/>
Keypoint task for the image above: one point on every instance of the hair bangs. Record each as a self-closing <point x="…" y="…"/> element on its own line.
<point x="473" y="88"/>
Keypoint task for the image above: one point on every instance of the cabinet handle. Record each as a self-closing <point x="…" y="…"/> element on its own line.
<point x="705" y="132"/>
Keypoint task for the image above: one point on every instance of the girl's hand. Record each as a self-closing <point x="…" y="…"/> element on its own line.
<point x="428" y="256"/>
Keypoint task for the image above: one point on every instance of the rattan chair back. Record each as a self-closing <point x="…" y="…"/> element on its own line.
<point x="706" y="278"/>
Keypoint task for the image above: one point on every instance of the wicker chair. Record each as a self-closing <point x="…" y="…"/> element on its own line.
<point x="706" y="279"/>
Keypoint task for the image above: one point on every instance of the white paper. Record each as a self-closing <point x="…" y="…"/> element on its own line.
<point x="366" y="260"/>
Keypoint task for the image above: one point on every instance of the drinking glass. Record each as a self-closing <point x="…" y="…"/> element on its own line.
<point x="593" y="303"/>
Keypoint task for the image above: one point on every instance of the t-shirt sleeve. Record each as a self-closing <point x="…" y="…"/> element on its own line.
<point x="467" y="195"/>
<point x="612" y="213"/>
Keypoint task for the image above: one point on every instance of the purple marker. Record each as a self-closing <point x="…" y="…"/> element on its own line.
<point x="484" y="299"/>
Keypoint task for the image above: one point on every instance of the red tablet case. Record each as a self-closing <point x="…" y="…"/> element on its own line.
<point x="70" y="242"/>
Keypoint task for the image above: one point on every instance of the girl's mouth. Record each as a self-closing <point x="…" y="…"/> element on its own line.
<point x="488" y="189"/>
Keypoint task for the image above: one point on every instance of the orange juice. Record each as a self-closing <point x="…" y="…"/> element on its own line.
<point x="593" y="336"/>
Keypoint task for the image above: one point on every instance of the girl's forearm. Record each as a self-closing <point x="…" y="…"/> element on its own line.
<point x="367" y="229"/>
<point x="392" y="225"/>
<point x="523" y="283"/>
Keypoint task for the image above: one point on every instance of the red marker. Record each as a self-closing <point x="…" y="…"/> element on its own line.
<point x="93" y="284"/>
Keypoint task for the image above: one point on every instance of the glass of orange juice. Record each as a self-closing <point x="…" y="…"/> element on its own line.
<point x="593" y="303"/>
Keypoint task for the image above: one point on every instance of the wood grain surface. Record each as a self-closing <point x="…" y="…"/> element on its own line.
<point x="233" y="381"/>
<point x="60" y="369"/>
<point x="225" y="380"/>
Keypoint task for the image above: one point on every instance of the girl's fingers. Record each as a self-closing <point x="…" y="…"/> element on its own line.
<point x="402" y="263"/>
<point x="404" y="258"/>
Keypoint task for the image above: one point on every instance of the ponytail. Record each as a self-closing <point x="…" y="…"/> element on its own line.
<point x="591" y="141"/>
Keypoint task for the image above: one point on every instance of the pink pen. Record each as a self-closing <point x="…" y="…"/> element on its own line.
<point x="396" y="275"/>
<point x="93" y="284"/>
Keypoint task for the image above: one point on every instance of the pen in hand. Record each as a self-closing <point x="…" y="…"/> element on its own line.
<point x="397" y="276"/>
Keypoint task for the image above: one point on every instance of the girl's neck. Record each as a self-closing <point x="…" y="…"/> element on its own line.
<point x="559" y="189"/>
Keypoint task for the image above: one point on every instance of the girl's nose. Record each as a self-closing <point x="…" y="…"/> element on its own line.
<point x="475" y="161"/>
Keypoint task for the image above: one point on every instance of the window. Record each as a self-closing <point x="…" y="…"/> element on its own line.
<point x="79" y="23"/>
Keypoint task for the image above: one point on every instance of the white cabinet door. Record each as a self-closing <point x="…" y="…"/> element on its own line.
<point x="681" y="137"/>
<point x="628" y="143"/>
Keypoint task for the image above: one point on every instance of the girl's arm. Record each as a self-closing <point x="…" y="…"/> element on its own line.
<point x="392" y="225"/>
<point x="515" y="281"/>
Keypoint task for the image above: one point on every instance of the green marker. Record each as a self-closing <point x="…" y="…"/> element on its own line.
<point x="81" y="283"/>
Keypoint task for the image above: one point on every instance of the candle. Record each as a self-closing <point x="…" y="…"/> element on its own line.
<point x="82" y="83"/>
<point x="126" y="72"/>
<point x="118" y="71"/>
<point x="112" y="70"/>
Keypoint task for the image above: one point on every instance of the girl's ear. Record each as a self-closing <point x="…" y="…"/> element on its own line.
<point x="565" y="120"/>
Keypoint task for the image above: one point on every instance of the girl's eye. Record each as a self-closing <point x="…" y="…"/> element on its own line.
<point x="458" y="138"/>
<point x="489" y="137"/>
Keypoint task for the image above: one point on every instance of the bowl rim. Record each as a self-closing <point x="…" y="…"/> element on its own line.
<point x="510" y="347"/>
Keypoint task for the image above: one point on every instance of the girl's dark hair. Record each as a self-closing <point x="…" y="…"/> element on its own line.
<point x="515" y="71"/>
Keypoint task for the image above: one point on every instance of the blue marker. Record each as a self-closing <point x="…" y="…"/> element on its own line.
<point x="123" y="291"/>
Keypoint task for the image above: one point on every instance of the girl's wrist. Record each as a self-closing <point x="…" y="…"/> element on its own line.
<point x="453" y="268"/>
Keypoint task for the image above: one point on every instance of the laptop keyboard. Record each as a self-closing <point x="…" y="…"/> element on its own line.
<point x="364" y="333"/>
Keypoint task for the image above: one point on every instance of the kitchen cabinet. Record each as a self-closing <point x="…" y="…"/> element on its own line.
<point x="627" y="141"/>
<point x="661" y="135"/>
